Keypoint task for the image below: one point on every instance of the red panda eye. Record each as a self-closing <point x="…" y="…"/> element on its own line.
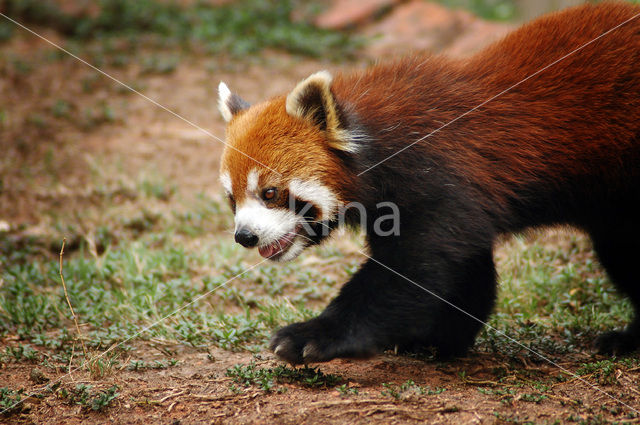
<point x="269" y="194"/>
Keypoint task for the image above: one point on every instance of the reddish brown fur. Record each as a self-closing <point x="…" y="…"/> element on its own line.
<point x="555" y="106"/>
<point x="289" y="146"/>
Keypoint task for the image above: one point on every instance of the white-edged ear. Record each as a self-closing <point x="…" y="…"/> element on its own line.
<point x="313" y="101"/>
<point x="308" y="93"/>
<point x="229" y="103"/>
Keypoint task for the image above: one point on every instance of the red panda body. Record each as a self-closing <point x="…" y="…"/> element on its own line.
<point x="556" y="140"/>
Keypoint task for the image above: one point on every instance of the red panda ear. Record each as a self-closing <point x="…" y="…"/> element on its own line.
<point x="313" y="101"/>
<point x="229" y="103"/>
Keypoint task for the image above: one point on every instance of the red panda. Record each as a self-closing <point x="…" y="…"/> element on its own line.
<point x="561" y="146"/>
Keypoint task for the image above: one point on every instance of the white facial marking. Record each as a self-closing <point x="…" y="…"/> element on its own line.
<point x="269" y="224"/>
<point x="318" y="194"/>
<point x="225" y="180"/>
<point x="224" y="96"/>
<point x="252" y="180"/>
<point x="294" y="250"/>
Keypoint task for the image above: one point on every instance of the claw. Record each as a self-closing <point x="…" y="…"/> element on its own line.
<point x="310" y="352"/>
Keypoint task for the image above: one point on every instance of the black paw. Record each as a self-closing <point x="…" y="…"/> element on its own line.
<point x="617" y="343"/>
<point x="318" y="340"/>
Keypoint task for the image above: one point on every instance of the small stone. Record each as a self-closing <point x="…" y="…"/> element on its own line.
<point x="38" y="377"/>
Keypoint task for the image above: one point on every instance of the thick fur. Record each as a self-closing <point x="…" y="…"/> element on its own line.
<point x="561" y="148"/>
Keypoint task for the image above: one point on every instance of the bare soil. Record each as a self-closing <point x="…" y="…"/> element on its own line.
<point x="197" y="391"/>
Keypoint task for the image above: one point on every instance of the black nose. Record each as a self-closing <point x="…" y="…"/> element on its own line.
<point x="246" y="238"/>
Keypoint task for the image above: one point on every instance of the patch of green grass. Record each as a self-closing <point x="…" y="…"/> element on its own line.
<point x="208" y="215"/>
<point x="8" y="400"/>
<point x="267" y="378"/>
<point x="83" y="395"/>
<point x="552" y="300"/>
<point x="596" y="420"/>
<point x="20" y="353"/>
<point x="143" y="222"/>
<point x="408" y="389"/>
<point x="505" y="395"/>
<point x="533" y="397"/>
<point x="103" y="399"/>
<point x="61" y="108"/>
<point x="23" y="307"/>
<point x="141" y="365"/>
<point x="157" y="188"/>
<point x="241" y="28"/>
<point x="517" y="419"/>
<point x="606" y="372"/>
<point x="93" y="116"/>
<point x="149" y="277"/>
<point x="160" y="64"/>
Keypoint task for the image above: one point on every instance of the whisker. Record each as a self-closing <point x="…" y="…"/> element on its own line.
<point x="306" y="237"/>
<point x="318" y="222"/>
<point x="279" y="245"/>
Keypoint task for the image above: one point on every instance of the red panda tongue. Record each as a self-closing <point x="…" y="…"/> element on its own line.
<point x="277" y="247"/>
<point x="269" y="250"/>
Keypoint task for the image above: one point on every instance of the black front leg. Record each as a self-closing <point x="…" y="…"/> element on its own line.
<point x="378" y="309"/>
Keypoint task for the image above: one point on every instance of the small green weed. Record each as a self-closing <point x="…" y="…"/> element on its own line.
<point x="104" y="398"/>
<point x="83" y="396"/>
<point x="346" y="390"/>
<point x="8" y="400"/>
<point x="267" y="378"/>
<point x="533" y="397"/>
<point x="506" y="395"/>
<point x="408" y="389"/>
<point x="158" y="188"/>
<point x="141" y="365"/>
<point x="604" y="371"/>
<point x="157" y="64"/>
<point x="19" y="353"/>
<point x="61" y="108"/>
<point x="96" y="115"/>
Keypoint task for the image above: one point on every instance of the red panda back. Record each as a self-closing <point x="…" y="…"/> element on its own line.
<point x="576" y="120"/>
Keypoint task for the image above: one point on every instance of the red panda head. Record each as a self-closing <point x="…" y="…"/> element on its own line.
<point x="281" y="168"/>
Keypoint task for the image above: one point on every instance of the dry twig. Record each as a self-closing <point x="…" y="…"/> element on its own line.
<point x="66" y="295"/>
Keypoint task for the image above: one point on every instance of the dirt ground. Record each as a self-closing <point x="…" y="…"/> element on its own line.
<point x="197" y="390"/>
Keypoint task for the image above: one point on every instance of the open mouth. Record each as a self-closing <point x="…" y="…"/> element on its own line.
<point x="280" y="246"/>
